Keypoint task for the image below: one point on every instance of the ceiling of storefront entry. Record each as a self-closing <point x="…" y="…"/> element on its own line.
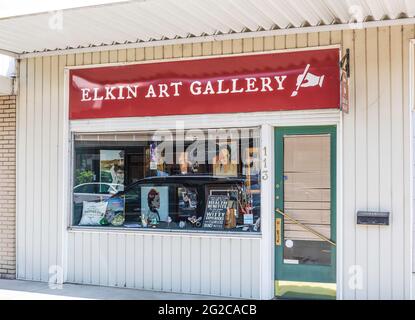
<point x="145" y="21"/>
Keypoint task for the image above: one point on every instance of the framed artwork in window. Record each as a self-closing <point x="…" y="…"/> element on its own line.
<point x="155" y="203"/>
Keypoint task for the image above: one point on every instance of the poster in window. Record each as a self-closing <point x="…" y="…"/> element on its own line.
<point x="187" y="201"/>
<point x="231" y="193"/>
<point x="223" y="164"/>
<point x="215" y="214"/>
<point x="153" y="156"/>
<point x="115" y="210"/>
<point x="112" y="168"/>
<point x="155" y="204"/>
<point x="251" y="162"/>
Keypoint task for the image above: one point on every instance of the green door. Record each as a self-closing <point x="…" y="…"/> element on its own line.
<point x="305" y="212"/>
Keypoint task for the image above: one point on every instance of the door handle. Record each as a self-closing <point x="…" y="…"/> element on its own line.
<point x="278" y="223"/>
<point x="316" y="233"/>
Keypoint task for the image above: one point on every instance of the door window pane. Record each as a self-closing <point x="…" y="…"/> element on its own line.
<point x="307" y="199"/>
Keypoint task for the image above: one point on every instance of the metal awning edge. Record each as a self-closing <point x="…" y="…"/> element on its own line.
<point x="219" y="37"/>
<point x="9" y="53"/>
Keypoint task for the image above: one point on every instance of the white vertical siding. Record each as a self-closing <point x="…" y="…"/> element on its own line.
<point x="377" y="150"/>
<point x="385" y="160"/>
<point x="361" y="156"/>
<point x="408" y="35"/>
<point x="375" y="144"/>
<point x="349" y="178"/>
<point x="191" y="264"/>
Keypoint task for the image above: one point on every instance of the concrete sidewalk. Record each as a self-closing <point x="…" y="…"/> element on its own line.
<point x="31" y="290"/>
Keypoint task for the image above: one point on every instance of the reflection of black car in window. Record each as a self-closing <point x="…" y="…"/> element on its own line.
<point x="186" y="196"/>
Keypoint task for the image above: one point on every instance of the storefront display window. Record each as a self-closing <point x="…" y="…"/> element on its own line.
<point x="187" y="180"/>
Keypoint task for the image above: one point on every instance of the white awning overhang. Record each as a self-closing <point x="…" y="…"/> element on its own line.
<point x="155" y="22"/>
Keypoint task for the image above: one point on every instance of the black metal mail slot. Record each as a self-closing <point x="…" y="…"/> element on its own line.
<point x="373" y="218"/>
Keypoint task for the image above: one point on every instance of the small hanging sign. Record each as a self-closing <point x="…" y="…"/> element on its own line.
<point x="344" y="82"/>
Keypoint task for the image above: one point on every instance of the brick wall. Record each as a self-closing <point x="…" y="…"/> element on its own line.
<point x="7" y="186"/>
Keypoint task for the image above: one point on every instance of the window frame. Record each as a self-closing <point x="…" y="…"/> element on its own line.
<point x="176" y="231"/>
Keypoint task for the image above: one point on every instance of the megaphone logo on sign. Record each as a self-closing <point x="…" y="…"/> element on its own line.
<point x="307" y="79"/>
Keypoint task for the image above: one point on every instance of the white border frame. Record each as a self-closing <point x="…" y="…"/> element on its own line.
<point x="179" y="126"/>
<point x="66" y="171"/>
<point x="266" y="120"/>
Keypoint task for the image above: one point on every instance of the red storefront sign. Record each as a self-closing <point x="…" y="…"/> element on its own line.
<point x="295" y="80"/>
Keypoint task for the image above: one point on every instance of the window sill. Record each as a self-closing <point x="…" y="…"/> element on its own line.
<point x="168" y="232"/>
